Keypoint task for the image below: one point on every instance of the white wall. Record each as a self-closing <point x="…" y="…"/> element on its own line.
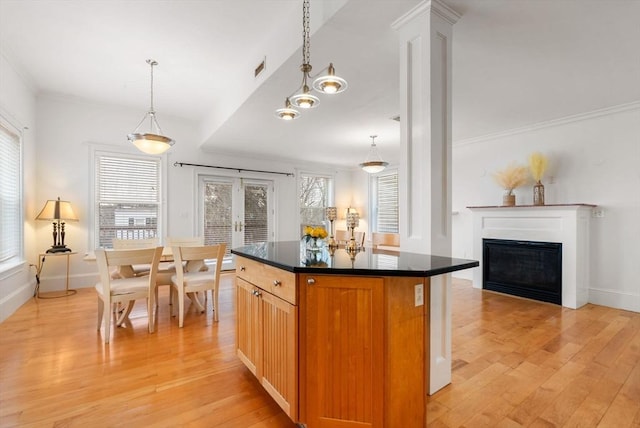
<point x="17" y="106"/>
<point x="594" y="159"/>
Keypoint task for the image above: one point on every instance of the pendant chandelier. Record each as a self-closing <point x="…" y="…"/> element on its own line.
<point x="374" y="162"/>
<point x="152" y="142"/>
<point x="328" y="83"/>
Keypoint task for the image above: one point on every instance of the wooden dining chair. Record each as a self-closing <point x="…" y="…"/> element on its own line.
<point x="125" y="290"/>
<point x="385" y="239"/>
<point x="190" y="279"/>
<point x="343" y="236"/>
<point x="167" y="269"/>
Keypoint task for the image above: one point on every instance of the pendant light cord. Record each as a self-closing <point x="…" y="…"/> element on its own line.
<point x="306" y="56"/>
<point x="152" y="62"/>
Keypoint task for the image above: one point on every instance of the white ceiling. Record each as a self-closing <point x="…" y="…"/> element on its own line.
<point x="515" y="63"/>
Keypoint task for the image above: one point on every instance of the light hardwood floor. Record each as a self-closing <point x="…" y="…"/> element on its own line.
<point x="516" y="363"/>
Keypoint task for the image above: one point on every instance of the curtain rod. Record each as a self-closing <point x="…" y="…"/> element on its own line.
<point x="288" y="174"/>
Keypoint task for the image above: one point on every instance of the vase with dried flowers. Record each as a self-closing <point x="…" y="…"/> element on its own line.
<point x="511" y="177"/>
<point x="537" y="166"/>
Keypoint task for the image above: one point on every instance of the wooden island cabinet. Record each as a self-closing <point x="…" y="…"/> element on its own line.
<point x="342" y="341"/>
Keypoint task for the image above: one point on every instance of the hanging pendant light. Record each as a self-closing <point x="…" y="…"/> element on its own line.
<point x="328" y="84"/>
<point x="152" y="142"/>
<point x="374" y="162"/>
<point x="287" y="113"/>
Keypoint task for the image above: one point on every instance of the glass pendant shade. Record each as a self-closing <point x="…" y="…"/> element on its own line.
<point x="374" y="166"/>
<point x="374" y="162"/>
<point x="304" y="99"/>
<point x="287" y="113"/>
<point x="330" y="83"/>
<point x="152" y="142"/>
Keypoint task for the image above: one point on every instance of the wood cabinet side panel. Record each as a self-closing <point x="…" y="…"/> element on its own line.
<point x="405" y="357"/>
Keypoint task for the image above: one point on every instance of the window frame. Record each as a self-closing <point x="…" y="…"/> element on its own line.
<point x="17" y="257"/>
<point x="99" y="150"/>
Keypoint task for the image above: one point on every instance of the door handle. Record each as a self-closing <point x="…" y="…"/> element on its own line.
<point x="276" y="283"/>
<point x="311" y="281"/>
<point x="240" y="224"/>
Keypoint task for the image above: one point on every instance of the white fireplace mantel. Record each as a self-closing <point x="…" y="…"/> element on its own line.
<point x="565" y="224"/>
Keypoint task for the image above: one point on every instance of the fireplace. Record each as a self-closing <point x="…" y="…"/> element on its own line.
<point x="564" y="224"/>
<point x="523" y="268"/>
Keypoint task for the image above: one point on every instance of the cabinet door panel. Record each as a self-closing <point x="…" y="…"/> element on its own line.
<point x="280" y="352"/>
<point x="247" y="334"/>
<point x="343" y="321"/>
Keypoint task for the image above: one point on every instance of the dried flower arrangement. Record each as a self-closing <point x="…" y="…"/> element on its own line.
<point x="537" y="165"/>
<point x="511" y="177"/>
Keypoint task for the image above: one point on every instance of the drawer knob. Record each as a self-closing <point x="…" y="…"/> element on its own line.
<point x="276" y="283"/>
<point x="242" y="268"/>
<point x="311" y="281"/>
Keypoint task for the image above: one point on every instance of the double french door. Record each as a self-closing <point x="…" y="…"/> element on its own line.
<point x="237" y="211"/>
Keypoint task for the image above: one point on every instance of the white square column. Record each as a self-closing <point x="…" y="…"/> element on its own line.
<point x="425" y="36"/>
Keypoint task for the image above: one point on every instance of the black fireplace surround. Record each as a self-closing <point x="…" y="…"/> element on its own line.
<point x="523" y="268"/>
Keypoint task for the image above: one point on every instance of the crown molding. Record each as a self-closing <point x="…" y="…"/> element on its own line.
<point x="635" y="105"/>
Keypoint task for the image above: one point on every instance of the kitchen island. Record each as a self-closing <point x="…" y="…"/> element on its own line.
<point x="337" y="338"/>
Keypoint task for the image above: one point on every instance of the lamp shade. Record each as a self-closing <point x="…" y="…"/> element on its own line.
<point x="57" y="210"/>
<point x="152" y="144"/>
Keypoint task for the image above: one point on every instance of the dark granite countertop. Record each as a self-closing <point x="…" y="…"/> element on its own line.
<point x="293" y="257"/>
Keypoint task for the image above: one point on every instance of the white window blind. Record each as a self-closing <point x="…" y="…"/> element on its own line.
<point x="256" y="215"/>
<point x="127" y="198"/>
<point x="386" y="203"/>
<point x="10" y="197"/>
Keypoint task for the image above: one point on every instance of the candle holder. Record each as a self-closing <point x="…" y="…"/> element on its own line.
<point x="332" y="215"/>
<point x="353" y="221"/>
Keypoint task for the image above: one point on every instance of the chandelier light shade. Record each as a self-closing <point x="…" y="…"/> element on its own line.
<point x="152" y="142"/>
<point x="57" y="211"/>
<point x="374" y="162"/>
<point x="328" y="83"/>
<point x="287" y="113"/>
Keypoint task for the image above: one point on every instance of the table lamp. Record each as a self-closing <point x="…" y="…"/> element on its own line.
<point x="58" y="211"/>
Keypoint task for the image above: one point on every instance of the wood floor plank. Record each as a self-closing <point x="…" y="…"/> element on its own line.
<point x="517" y="363"/>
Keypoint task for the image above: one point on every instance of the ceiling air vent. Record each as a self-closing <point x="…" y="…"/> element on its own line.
<point x="260" y="68"/>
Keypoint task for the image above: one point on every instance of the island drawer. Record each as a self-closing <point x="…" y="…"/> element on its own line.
<point x="276" y="281"/>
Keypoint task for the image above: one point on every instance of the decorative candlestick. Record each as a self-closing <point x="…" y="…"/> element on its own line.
<point x="353" y="220"/>
<point x="332" y="214"/>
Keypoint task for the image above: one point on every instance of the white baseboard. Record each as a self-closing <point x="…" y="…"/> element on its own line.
<point x="615" y="299"/>
<point x="10" y="303"/>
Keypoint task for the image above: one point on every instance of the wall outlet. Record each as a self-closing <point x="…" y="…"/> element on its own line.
<point x="419" y="295"/>
<point x="597" y="213"/>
